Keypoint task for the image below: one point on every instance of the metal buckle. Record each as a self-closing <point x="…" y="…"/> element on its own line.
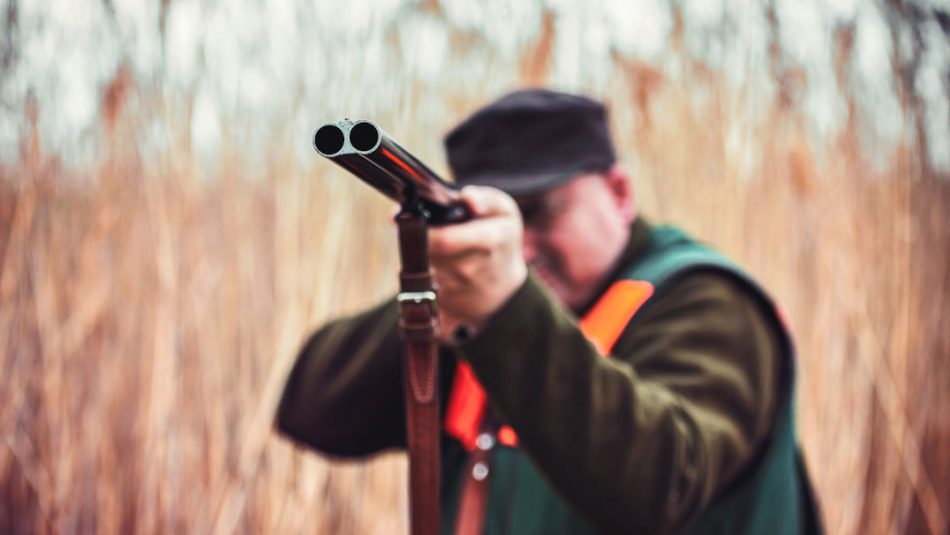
<point x="415" y="297"/>
<point x="419" y="297"/>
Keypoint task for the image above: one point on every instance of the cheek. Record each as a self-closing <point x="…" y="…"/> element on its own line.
<point x="589" y="248"/>
<point x="587" y="264"/>
<point x="575" y="256"/>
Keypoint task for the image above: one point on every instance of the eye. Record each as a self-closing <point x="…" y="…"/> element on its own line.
<point x="538" y="212"/>
<point x="530" y="208"/>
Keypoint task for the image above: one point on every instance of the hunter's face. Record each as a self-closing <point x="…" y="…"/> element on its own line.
<point x="574" y="234"/>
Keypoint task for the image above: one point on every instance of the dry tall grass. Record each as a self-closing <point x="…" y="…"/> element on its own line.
<point x="149" y="313"/>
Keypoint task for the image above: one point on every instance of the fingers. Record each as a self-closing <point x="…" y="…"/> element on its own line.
<point x="478" y="235"/>
<point x="496" y="222"/>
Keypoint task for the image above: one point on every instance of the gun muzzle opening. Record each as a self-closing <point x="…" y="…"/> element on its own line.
<point x="328" y="139"/>
<point x="364" y="137"/>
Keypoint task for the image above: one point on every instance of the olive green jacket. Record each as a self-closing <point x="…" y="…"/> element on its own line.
<point x="642" y="442"/>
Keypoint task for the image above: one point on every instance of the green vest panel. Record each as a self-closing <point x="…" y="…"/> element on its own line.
<point x="773" y="497"/>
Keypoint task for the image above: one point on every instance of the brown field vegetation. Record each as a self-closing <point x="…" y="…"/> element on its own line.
<point x="150" y="309"/>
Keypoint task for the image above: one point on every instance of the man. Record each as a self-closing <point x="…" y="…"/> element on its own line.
<point x="667" y="407"/>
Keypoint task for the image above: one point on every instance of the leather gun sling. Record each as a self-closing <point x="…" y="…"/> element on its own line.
<point x="418" y="323"/>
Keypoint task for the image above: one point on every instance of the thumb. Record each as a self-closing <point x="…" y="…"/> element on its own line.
<point x="484" y="201"/>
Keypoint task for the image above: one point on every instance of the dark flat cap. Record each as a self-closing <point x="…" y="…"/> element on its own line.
<point x="530" y="141"/>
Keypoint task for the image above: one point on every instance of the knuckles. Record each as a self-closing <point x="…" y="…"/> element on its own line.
<point x="468" y="271"/>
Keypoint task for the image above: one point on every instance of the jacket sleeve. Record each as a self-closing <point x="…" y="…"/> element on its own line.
<point x="344" y="394"/>
<point x="642" y="441"/>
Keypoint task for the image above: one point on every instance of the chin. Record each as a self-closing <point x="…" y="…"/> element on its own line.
<point x="567" y="293"/>
<point x="570" y="298"/>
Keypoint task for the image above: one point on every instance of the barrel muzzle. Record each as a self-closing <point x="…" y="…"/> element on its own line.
<point x="363" y="149"/>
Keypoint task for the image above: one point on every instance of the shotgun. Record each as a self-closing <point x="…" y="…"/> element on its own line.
<point x="363" y="149"/>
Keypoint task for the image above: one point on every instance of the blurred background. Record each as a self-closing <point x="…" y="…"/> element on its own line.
<point x="168" y="236"/>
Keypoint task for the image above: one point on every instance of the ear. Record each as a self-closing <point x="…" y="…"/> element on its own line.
<point x="622" y="189"/>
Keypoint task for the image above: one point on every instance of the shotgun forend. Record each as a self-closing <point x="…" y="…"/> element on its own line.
<point x="363" y="149"/>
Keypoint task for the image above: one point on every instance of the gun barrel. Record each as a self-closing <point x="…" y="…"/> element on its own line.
<point x="363" y="149"/>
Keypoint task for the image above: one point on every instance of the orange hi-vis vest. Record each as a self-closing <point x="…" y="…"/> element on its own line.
<point x="602" y="325"/>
